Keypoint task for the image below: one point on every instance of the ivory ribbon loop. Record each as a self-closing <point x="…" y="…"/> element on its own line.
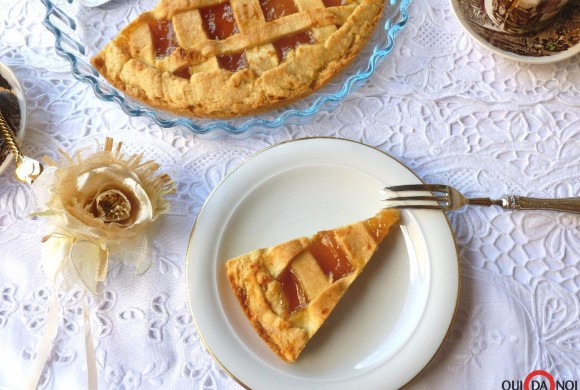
<point x="90" y="262"/>
<point x="55" y="252"/>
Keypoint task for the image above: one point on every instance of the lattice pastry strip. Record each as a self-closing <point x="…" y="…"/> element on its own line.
<point x="249" y="15"/>
<point x="320" y="33"/>
<point x="188" y="27"/>
<point x="233" y="57"/>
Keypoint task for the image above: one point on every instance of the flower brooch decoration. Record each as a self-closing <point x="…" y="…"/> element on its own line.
<point x="98" y="206"/>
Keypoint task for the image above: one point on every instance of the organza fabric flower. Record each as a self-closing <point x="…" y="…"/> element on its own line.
<point x="100" y="205"/>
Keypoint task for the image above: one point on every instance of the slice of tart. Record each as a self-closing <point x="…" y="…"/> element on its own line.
<point x="287" y="291"/>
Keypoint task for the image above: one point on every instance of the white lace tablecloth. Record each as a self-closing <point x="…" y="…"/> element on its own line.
<point x="450" y="110"/>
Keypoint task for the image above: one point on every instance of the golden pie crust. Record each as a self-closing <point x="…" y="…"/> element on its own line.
<point x="188" y="78"/>
<point x="287" y="291"/>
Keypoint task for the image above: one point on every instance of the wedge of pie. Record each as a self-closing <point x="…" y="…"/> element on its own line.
<point x="287" y="291"/>
<point x="226" y="58"/>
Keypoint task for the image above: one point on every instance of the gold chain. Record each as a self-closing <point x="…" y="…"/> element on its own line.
<point x="9" y="137"/>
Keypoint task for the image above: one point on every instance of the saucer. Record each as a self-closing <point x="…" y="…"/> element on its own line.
<point x="557" y="42"/>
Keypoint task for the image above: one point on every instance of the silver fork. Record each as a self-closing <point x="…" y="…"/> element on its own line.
<point x="447" y="198"/>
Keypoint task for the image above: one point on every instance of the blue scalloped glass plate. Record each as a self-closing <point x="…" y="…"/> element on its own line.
<point x="81" y="32"/>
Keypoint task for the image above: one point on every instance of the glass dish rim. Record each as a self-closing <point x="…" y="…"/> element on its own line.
<point x="136" y="109"/>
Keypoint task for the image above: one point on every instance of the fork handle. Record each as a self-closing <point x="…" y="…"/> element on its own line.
<point x="514" y="202"/>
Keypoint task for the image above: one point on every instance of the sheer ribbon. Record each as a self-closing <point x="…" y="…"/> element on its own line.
<point x="67" y="262"/>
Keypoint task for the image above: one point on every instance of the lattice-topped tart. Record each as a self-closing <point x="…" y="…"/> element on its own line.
<point x="227" y="58"/>
<point x="287" y="291"/>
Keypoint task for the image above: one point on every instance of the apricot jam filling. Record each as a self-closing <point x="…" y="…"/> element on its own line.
<point x="377" y="228"/>
<point x="289" y="42"/>
<point x="232" y="62"/>
<point x="163" y="36"/>
<point x="330" y="256"/>
<point x="218" y="21"/>
<point x="275" y="9"/>
<point x="183" y="72"/>
<point x="295" y="296"/>
<point x="333" y="3"/>
<point x="331" y="259"/>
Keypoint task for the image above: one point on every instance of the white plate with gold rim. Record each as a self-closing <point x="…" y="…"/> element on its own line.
<point x="394" y="317"/>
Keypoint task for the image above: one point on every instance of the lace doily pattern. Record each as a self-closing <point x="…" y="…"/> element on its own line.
<point x="450" y="110"/>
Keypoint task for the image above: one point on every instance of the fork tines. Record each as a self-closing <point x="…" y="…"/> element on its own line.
<point x="418" y="187"/>
<point x="427" y="201"/>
